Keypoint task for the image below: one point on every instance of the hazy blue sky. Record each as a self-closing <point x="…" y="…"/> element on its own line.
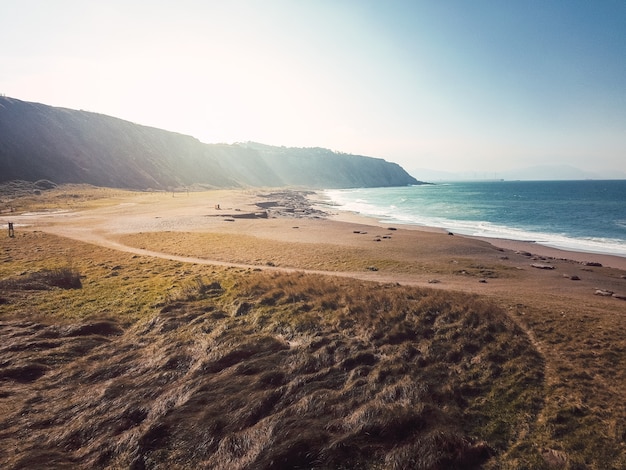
<point x="452" y="85"/>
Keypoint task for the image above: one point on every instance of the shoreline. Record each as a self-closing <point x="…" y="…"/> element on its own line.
<point x="273" y="203"/>
<point x="608" y="260"/>
<point x="536" y="249"/>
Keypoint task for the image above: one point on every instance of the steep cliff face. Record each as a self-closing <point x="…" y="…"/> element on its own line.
<point x="320" y="167"/>
<point x="66" y="146"/>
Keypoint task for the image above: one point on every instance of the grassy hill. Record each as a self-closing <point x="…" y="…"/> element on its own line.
<point x="67" y="146"/>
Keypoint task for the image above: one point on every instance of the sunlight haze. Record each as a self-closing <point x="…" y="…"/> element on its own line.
<point x="455" y="86"/>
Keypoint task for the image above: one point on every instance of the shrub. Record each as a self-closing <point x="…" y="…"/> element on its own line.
<point x="64" y="278"/>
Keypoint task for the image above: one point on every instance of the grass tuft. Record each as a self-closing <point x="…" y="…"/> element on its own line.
<point x="63" y="278"/>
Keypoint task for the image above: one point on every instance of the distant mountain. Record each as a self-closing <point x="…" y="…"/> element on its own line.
<point x="555" y="172"/>
<point x="67" y="146"/>
<point x="534" y="173"/>
<point x="429" y="175"/>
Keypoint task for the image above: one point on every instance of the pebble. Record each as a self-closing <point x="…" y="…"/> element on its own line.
<point x="604" y="293"/>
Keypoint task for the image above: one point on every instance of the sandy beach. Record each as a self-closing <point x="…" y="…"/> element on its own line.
<point x="291" y="230"/>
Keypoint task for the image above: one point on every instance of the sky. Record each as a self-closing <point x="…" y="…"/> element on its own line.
<point x="451" y="85"/>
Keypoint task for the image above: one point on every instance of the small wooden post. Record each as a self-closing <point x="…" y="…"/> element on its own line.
<point x="11" y="231"/>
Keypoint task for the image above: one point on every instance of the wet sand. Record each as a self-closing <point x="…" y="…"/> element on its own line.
<point x="614" y="261"/>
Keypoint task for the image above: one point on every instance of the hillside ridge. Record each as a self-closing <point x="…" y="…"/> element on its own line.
<point x="38" y="141"/>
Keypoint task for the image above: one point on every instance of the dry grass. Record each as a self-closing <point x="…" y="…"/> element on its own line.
<point x="241" y="369"/>
<point x="65" y="278"/>
<point x="22" y="196"/>
<point x="253" y="250"/>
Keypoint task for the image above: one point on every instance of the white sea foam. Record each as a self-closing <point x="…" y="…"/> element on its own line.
<point x="386" y="211"/>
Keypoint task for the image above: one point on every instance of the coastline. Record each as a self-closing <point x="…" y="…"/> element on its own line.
<point x="536" y="249"/>
<point x="162" y="212"/>
<point x="612" y="261"/>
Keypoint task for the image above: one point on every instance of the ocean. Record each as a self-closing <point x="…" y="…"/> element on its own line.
<point x="587" y="216"/>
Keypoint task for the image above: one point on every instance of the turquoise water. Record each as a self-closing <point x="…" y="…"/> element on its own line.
<point x="585" y="216"/>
